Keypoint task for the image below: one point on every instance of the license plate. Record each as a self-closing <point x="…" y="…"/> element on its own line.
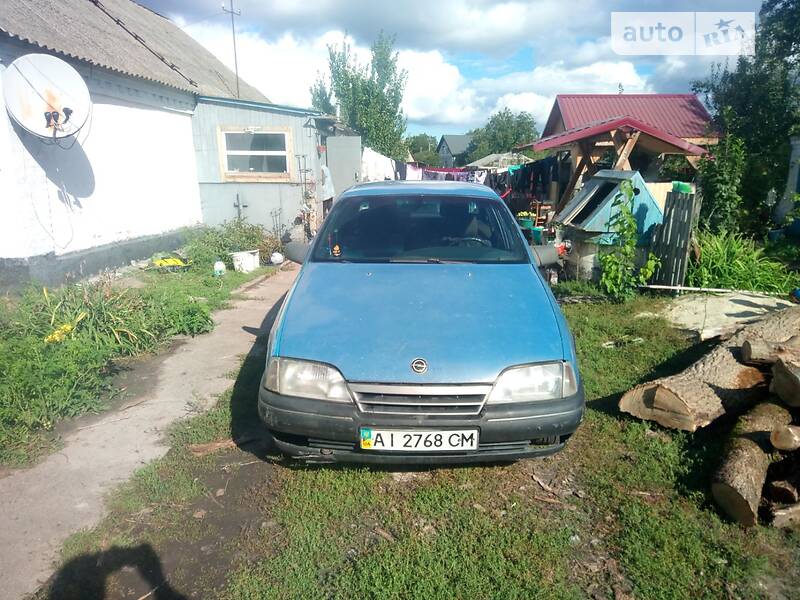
<point x="418" y="440"/>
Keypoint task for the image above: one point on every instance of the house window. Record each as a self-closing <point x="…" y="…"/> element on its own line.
<point x="257" y="153"/>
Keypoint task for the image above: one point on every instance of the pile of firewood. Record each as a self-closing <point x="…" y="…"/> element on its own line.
<point x="756" y="375"/>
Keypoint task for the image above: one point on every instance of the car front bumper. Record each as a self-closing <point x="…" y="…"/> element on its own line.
<point x="329" y="431"/>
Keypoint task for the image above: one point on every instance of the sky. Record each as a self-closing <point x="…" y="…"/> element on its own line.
<point x="465" y="59"/>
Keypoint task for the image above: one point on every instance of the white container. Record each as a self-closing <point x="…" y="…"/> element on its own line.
<point x="246" y="261"/>
<point x="219" y="268"/>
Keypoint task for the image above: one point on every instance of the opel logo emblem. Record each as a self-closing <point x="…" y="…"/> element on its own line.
<point x="419" y="366"/>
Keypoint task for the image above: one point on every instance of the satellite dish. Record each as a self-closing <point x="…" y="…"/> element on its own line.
<point x="46" y="96"/>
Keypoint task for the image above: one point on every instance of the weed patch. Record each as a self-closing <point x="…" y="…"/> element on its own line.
<point x="58" y="347"/>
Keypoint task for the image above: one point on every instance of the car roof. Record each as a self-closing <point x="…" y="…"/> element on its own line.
<point x="422" y="188"/>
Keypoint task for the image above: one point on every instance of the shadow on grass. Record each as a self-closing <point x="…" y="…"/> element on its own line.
<point x="86" y="576"/>
<point x="247" y="429"/>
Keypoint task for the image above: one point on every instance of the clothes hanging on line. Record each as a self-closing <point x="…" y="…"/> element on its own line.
<point x="413" y="173"/>
<point x="376" y="166"/>
<point x="326" y="189"/>
<point x="468" y="175"/>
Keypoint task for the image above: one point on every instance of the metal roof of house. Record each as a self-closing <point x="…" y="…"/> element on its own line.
<point x="598" y="128"/>
<point x="458" y="143"/>
<point x="681" y="115"/>
<point x="125" y="37"/>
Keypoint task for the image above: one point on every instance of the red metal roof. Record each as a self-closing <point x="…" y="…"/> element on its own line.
<point x="590" y="130"/>
<point x="681" y="115"/>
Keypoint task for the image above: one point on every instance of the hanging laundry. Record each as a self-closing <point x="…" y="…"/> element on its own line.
<point x="375" y="166"/>
<point x="413" y="173"/>
<point x="326" y="190"/>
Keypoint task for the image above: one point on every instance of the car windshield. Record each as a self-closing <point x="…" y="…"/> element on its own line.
<point x="427" y="229"/>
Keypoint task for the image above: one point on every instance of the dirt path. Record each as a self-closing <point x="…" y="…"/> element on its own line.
<point x="64" y="493"/>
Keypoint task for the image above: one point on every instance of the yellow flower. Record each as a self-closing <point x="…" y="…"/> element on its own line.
<point x="59" y="334"/>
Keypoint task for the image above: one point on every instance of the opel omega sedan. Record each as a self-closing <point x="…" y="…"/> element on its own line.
<point x="419" y="330"/>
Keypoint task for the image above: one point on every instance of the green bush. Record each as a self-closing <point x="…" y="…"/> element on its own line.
<point x="731" y="261"/>
<point x="206" y="245"/>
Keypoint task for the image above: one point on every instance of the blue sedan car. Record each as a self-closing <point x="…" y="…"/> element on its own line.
<point x="419" y="330"/>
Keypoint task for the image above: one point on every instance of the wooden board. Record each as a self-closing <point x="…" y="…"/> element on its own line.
<point x="673" y="238"/>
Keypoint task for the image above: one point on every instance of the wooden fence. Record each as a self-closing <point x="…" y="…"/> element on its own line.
<point x="672" y="240"/>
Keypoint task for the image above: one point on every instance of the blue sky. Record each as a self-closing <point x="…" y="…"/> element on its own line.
<point x="465" y="58"/>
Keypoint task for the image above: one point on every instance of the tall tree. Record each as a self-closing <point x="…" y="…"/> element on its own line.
<point x="423" y="148"/>
<point x="321" y="96"/>
<point x="758" y="101"/>
<point x="369" y="96"/>
<point x="504" y="130"/>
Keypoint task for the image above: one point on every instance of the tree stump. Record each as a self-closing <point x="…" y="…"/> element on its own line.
<point x="738" y="482"/>
<point x="716" y="384"/>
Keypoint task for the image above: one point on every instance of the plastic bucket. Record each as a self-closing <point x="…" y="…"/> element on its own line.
<point x="246" y="261"/>
<point x="682" y="187"/>
<point x="538" y="235"/>
<point x="525" y="222"/>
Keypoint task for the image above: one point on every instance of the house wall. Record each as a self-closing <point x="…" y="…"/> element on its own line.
<point x="269" y="203"/>
<point x="130" y="173"/>
<point x="448" y="160"/>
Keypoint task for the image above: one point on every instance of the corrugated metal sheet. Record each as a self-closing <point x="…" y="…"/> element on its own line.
<point x="80" y="29"/>
<point x="681" y="115"/>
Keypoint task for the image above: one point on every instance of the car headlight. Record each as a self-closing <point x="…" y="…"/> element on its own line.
<point x="306" y="379"/>
<point x="528" y="383"/>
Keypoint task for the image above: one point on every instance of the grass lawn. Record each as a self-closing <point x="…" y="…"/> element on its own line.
<point x="622" y="512"/>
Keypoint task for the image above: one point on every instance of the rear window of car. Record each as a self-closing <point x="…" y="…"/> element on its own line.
<point x="419" y="229"/>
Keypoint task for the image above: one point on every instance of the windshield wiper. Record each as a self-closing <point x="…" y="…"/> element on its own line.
<point x="429" y="261"/>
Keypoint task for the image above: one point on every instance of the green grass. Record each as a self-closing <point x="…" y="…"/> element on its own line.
<point x="732" y="261"/>
<point x="636" y="498"/>
<point x="58" y="347"/>
<point x="651" y="484"/>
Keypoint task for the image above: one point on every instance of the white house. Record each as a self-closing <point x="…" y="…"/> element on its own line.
<point x="152" y="158"/>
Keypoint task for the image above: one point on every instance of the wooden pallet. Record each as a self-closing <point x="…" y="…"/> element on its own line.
<point x="672" y="240"/>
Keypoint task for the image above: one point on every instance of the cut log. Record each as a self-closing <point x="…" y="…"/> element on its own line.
<point x="786" y="437"/>
<point x="782" y="492"/>
<point x="716" y="384"/>
<point x="786" y="381"/>
<point x="762" y="352"/>
<point x="788" y="516"/>
<point x="738" y="482"/>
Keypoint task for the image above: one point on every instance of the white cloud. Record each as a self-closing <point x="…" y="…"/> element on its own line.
<point x="435" y="91"/>
<point x="438" y="96"/>
<point x="536" y="104"/>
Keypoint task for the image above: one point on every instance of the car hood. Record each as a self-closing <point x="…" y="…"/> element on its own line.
<point x="468" y="321"/>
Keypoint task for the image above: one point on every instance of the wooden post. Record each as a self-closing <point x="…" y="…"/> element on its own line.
<point x="573" y="181"/>
<point x="624" y="153"/>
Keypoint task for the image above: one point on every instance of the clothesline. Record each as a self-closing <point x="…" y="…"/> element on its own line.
<point x="530" y="180"/>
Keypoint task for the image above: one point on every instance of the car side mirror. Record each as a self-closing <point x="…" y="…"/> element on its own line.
<point x="296" y="251"/>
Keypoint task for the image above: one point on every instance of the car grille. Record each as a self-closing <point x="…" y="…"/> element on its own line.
<point x="420" y="400"/>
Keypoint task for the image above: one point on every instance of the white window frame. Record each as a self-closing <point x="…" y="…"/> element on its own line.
<point x="229" y="175"/>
